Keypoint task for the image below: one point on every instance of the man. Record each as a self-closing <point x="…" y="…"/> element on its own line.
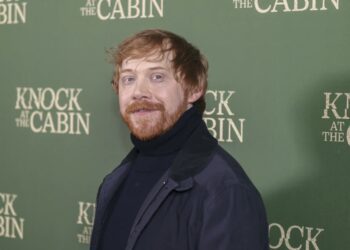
<point x="177" y="188"/>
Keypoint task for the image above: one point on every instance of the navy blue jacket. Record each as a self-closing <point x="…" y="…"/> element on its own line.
<point x="204" y="201"/>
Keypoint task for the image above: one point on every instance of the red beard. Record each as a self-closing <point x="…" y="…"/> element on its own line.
<point x="148" y="120"/>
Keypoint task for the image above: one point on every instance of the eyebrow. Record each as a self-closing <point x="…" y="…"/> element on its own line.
<point x="126" y="70"/>
<point x="156" y="68"/>
<point x="148" y="69"/>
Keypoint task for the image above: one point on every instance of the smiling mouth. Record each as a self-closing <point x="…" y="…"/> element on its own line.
<point x="143" y="111"/>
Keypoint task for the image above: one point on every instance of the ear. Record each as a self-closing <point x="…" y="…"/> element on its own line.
<point x="194" y="95"/>
<point x="114" y="82"/>
<point x="115" y="87"/>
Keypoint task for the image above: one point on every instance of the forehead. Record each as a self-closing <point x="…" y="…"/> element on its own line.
<point x="150" y="61"/>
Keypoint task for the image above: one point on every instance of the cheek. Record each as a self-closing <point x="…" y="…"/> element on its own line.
<point x="179" y="95"/>
<point x="175" y="100"/>
<point x="122" y="103"/>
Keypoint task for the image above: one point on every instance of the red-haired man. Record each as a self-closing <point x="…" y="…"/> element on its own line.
<point x="177" y="188"/>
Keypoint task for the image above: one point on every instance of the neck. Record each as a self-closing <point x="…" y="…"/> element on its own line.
<point x="172" y="140"/>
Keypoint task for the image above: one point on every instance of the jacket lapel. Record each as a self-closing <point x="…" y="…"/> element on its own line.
<point x="150" y="205"/>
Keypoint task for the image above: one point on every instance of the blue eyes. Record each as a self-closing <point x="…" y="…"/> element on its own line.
<point x="153" y="78"/>
<point x="127" y="80"/>
<point x="157" y="77"/>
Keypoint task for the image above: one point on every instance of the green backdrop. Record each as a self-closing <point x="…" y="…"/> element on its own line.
<point x="278" y="100"/>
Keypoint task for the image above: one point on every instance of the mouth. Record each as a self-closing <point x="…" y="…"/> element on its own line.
<point x="143" y="111"/>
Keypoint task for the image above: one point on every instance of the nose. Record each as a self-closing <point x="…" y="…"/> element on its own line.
<point x="141" y="90"/>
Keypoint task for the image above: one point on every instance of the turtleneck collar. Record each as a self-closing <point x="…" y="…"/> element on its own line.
<point x="172" y="140"/>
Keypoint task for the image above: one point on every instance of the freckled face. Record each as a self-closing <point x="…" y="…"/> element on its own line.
<point x="150" y="98"/>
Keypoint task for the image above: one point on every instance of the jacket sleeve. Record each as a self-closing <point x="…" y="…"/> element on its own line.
<point x="234" y="219"/>
<point x="94" y="228"/>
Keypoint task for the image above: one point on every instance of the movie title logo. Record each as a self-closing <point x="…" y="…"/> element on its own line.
<point x="106" y="10"/>
<point x="220" y="119"/>
<point x="336" y="114"/>
<point x="286" y="6"/>
<point x="54" y="111"/>
<point x="11" y="225"/>
<point x="294" y="237"/>
<point x="85" y="219"/>
<point x="13" y="12"/>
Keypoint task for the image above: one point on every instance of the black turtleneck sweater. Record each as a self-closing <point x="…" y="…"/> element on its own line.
<point x="154" y="158"/>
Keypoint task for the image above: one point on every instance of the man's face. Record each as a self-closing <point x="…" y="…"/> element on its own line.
<point x="150" y="98"/>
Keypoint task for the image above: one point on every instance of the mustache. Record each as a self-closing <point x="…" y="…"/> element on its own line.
<point x="144" y="105"/>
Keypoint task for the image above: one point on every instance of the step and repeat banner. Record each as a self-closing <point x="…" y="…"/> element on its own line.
<point x="278" y="100"/>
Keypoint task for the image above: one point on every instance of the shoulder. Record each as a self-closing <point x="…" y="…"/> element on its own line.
<point x="223" y="170"/>
<point x="228" y="190"/>
<point x="224" y="179"/>
<point x="233" y="213"/>
<point x="117" y="174"/>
